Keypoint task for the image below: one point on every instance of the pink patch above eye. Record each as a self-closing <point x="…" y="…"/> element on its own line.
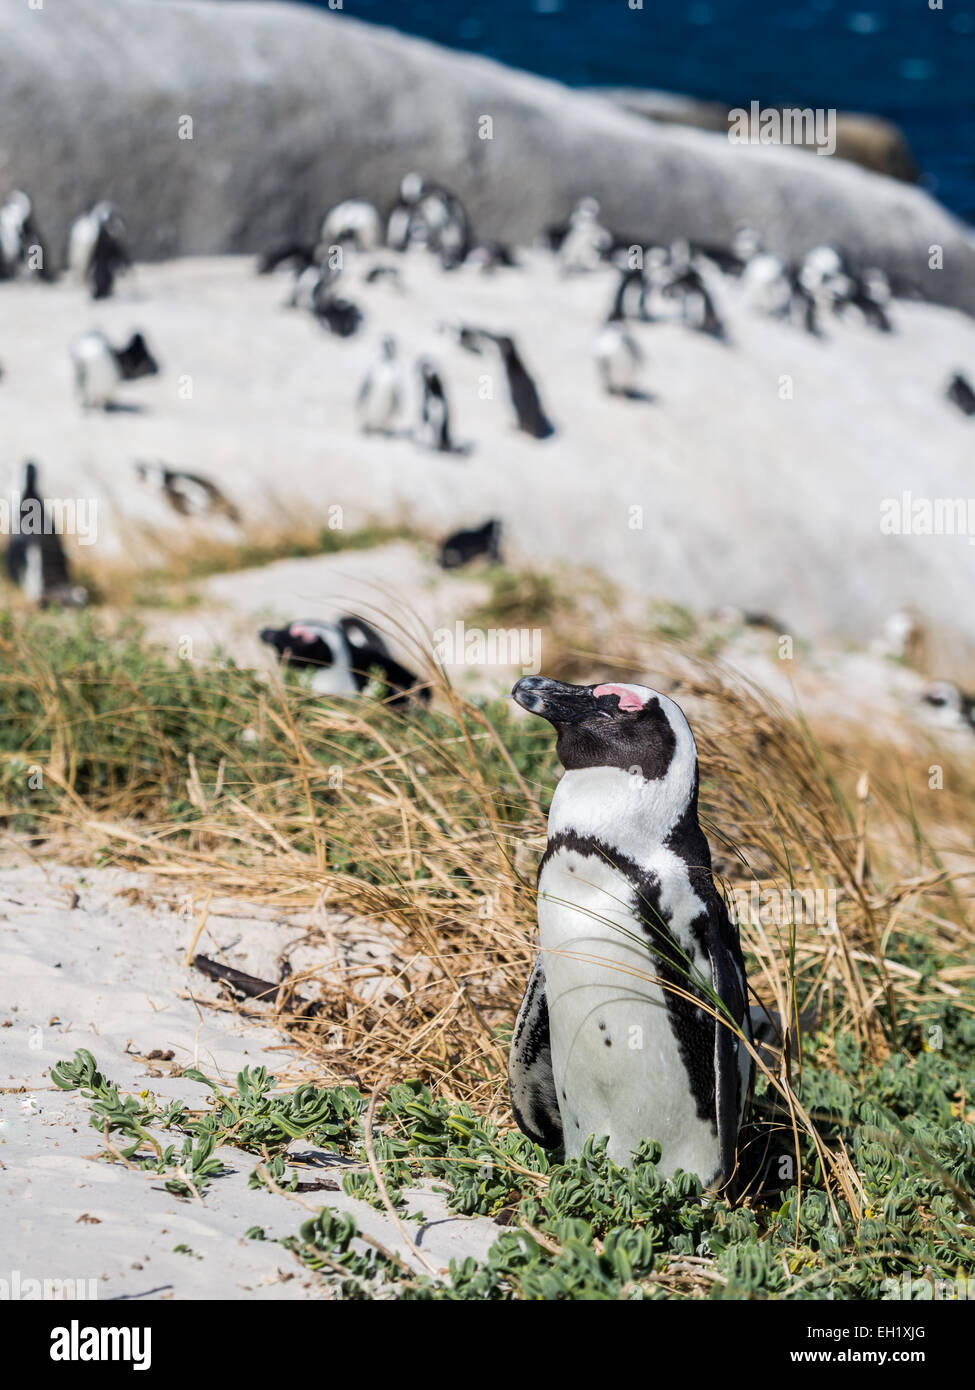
<point x="627" y="698"/>
<point x="304" y="634"/>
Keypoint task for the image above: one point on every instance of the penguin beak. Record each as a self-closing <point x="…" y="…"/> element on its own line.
<point x="554" y="700"/>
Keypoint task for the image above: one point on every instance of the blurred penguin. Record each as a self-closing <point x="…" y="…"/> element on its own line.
<point x="434" y="413"/>
<point x="36" y="561"/>
<point x="380" y="398"/>
<point x="586" y="241"/>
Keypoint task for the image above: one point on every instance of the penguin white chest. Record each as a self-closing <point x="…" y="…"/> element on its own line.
<point x="616" y="358"/>
<point x="96" y="370"/>
<point x="616" y="1060"/>
<point x="382" y="403"/>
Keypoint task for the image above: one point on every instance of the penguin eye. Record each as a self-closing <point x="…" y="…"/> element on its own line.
<point x="604" y="714"/>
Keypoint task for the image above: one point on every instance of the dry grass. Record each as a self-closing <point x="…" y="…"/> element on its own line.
<point x="432" y="825"/>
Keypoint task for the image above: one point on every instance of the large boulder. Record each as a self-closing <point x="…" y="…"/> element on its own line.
<point x="294" y="108"/>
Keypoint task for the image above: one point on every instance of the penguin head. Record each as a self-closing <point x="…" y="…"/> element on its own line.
<point x="305" y="643"/>
<point x="629" y="727"/>
<point x="412" y="187"/>
<point x="29" y="483"/>
<point x="944" y="696"/>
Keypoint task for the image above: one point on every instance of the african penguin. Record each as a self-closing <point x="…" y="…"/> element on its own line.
<point x="380" y="396"/>
<point x="99" y="368"/>
<point x="354" y="222"/>
<point x="298" y="254"/>
<point x="342" y="656"/>
<point x="614" y="1037"/>
<point x="956" y="709"/>
<point x="434" y="428"/>
<point x="430" y="216"/>
<point x="36" y="561"/>
<point x="697" y="307"/>
<point x="616" y="352"/>
<point x="464" y="546"/>
<point x="339" y="316"/>
<point x="530" y="416"/>
<point x="189" y="494"/>
<point x="960" y="393"/>
<point x="21" y="247"/>
<point x="97" y="250"/>
<point x="586" y="242"/>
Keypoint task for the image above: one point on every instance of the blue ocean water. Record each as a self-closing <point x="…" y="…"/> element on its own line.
<point x="899" y="58"/>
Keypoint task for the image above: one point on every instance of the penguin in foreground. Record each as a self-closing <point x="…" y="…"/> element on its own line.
<point x="342" y="655"/>
<point x="632" y="1024"/>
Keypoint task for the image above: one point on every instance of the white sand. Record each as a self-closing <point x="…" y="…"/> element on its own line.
<point x="107" y="975"/>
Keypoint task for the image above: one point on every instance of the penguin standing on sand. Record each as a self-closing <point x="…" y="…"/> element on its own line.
<point x="586" y="242"/>
<point x="530" y="416"/>
<point x="36" y="561"/>
<point x="633" y="1022"/>
<point x="97" y="249"/>
<point x="523" y="392"/>
<point x="189" y="494"/>
<point x="434" y="413"/>
<point x="22" y="249"/>
<point x="381" y="393"/>
<point x="616" y="352"/>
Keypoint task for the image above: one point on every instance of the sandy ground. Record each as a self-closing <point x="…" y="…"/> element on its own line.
<point x="95" y="960"/>
<point x="748" y="498"/>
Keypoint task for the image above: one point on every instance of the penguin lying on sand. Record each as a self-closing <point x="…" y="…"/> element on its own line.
<point x="617" y="1035"/>
<point x="36" y="561"/>
<point x="342" y="655"/>
<point x="190" y="494"/>
<point x="464" y="546"/>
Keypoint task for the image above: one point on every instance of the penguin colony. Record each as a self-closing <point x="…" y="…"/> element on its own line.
<point x="634" y="1024"/>
<point x="665" y="282"/>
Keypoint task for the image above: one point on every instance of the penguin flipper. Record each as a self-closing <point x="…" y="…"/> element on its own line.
<point x="730" y="1088"/>
<point x="359" y="634"/>
<point x="531" y="1081"/>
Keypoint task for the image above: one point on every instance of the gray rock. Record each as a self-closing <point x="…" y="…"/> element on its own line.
<point x="293" y="109"/>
